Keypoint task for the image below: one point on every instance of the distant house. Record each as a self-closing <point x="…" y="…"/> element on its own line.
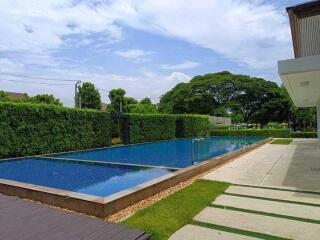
<point x="104" y="106"/>
<point x="15" y="95"/>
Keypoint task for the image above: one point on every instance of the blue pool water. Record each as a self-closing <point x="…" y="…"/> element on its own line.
<point x="98" y="180"/>
<point x="175" y="153"/>
<point x="105" y="179"/>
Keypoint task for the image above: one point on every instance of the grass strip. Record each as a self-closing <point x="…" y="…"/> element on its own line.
<point x="273" y="199"/>
<point x="266" y="214"/>
<point x="282" y="141"/>
<point x="238" y="231"/>
<point x="279" y="189"/>
<point x="168" y="215"/>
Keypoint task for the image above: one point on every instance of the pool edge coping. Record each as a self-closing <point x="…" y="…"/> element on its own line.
<point x="104" y="206"/>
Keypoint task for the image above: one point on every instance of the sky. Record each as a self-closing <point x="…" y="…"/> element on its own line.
<point x="143" y="46"/>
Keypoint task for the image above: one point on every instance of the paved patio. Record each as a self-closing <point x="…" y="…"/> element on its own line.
<point x="275" y="194"/>
<point x="296" y="166"/>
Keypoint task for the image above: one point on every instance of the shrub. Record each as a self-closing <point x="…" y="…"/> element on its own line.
<point x="303" y="134"/>
<point x="28" y="129"/>
<point x="151" y="127"/>
<point x="194" y="125"/>
<point x="278" y="133"/>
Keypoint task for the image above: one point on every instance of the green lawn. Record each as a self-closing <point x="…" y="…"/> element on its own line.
<point x="284" y="141"/>
<point x="169" y="214"/>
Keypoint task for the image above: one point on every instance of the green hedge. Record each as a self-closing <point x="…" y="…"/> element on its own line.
<point x="151" y="127"/>
<point x="278" y="133"/>
<point x="194" y="125"/>
<point x="304" y="134"/>
<point x="28" y="129"/>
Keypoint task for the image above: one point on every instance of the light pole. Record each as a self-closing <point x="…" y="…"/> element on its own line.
<point x="77" y="99"/>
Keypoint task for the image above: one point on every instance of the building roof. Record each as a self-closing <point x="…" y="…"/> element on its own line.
<point x="306" y="9"/>
<point x="17" y="95"/>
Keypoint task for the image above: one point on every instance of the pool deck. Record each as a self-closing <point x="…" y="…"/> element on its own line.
<point x="25" y="220"/>
<point x="274" y="193"/>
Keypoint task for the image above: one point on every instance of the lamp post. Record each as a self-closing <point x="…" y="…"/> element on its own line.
<point x="77" y="99"/>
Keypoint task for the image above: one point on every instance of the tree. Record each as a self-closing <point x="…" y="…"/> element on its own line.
<point x="119" y="102"/>
<point x="45" y="98"/>
<point x="117" y="98"/>
<point x="142" y="108"/>
<point x="130" y="100"/>
<point x="146" y="100"/>
<point x="225" y="94"/>
<point x="90" y="96"/>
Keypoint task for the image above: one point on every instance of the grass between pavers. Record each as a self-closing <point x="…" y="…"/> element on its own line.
<point x="239" y="231"/>
<point x="266" y="214"/>
<point x="283" y="141"/>
<point x="168" y="215"/>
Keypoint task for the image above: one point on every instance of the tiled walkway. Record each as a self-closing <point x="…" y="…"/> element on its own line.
<point x="280" y="198"/>
<point x="25" y="220"/>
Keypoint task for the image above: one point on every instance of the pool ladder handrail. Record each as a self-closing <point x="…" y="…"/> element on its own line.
<point x="198" y="142"/>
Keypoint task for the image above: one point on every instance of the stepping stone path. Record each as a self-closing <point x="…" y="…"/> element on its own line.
<point x="244" y="216"/>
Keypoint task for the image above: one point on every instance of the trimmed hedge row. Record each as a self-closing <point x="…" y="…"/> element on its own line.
<point x="304" y="134"/>
<point x="277" y="133"/>
<point x="151" y="127"/>
<point x="157" y="127"/>
<point x="29" y="129"/>
<point x="194" y="125"/>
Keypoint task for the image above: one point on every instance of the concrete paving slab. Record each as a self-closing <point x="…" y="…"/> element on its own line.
<point x="296" y="165"/>
<point x="288" y="209"/>
<point x="192" y="232"/>
<point x="258" y="223"/>
<point x="275" y="194"/>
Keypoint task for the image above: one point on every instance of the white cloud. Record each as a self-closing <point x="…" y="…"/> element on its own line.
<point x="134" y="54"/>
<point x="6" y="65"/>
<point x="37" y="26"/>
<point x="248" y="32"/>
<point x="181" y="66"/>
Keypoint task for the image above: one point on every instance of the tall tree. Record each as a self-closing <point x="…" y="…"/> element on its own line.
<point x="90" y="96"/>
<point x="117" y="99"/>
<point x="225" y="94"/>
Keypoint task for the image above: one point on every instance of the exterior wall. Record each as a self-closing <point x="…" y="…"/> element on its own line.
<point x="318" y="120"/>
<point x="220" y="120"/>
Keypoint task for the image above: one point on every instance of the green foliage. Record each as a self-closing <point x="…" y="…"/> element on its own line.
<point x="142" y="108"/>
<point x="243" y="98"/>
<point x="168" y="215"/>
<point x="194" y="125"/>
<point x="277" y="133"/>
<point x="151" y="127"/>
<point x="304" y="134"/>
<point x="28" y="129"/>
<point x="4" y="97"/>
<point x="146" y="101"/>
<point x="45" y="99"/>
<point x="90" y="96"/>
<point x="116" y="97"/>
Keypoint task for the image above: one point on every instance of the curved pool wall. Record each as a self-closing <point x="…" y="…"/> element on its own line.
<point x="171" y="154"/>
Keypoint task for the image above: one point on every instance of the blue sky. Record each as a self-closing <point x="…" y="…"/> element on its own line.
<point x="143" y="46"/>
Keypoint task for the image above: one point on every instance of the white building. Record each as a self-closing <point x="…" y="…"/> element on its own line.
<point x="301" y="76"/>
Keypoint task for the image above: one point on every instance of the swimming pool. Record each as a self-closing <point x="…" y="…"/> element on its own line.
<point x="106" y="180"/>
<point x="171" y="154"/>
<point x="92" y="179"/>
